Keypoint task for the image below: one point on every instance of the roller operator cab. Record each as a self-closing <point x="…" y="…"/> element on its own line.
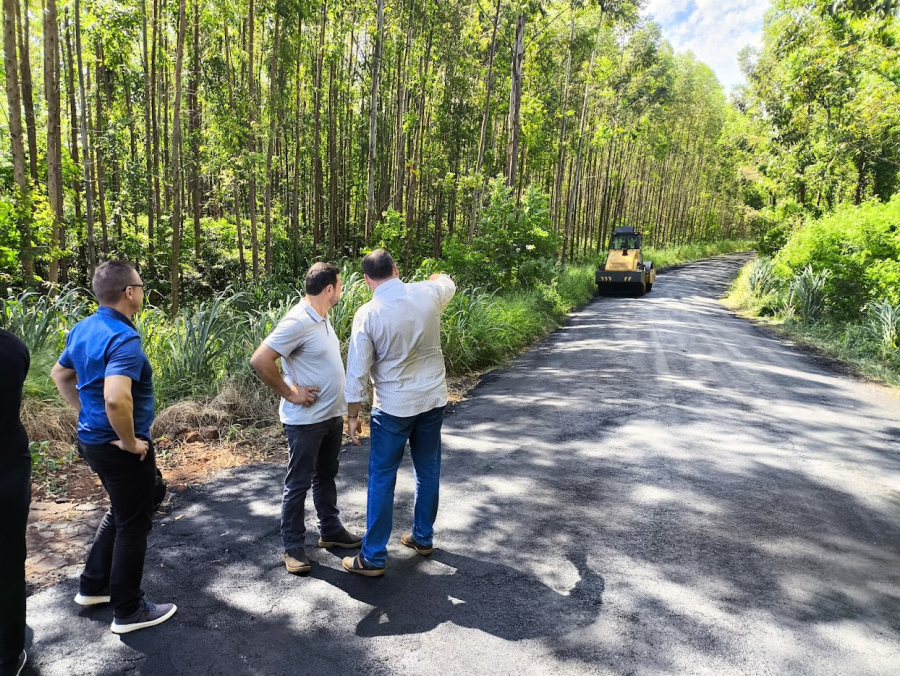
<point x="625" y="269"/>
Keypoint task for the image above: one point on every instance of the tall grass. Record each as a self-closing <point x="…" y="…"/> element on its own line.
<point x="884" y="325"/>
<point x="41" y="320"/>
<point x="685" y="253"/>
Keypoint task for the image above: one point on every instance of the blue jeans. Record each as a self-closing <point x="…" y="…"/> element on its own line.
<point x="389" y="436"/>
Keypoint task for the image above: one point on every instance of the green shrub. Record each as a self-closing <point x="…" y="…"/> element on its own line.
<point x="861" y="248"/>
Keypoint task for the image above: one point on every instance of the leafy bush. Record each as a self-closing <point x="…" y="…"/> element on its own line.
<point x="514" y="245"/>
<point x="860" y="246"/>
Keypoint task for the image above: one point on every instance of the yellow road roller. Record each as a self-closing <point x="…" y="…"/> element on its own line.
<point x="625" y="270"/>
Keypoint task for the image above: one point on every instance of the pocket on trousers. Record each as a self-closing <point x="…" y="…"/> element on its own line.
<point x="390" y="423"/>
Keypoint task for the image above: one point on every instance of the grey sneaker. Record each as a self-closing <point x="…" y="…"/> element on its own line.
<point x="88" y="600"/>
<point x="423" y="550"/>
<point x="148" y="615"/>
<point x="343" y="538"/>
<point x="296" y="561"/>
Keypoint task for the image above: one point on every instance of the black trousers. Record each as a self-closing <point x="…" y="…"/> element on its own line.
<point x="115" y="564"/>
<point x="312" y="462"/>
<point x="15" y="500"/>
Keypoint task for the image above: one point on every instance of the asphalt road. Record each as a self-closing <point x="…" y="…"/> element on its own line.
<point x="657" y="488"/>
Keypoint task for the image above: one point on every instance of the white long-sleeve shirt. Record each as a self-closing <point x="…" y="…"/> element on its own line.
<point x="396" y="341"/>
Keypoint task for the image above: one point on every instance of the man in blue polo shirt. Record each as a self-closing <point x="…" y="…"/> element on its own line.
<point x="104" y="374"/>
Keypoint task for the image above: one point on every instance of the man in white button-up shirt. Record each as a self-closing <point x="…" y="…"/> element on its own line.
<point x="396" y="341"/>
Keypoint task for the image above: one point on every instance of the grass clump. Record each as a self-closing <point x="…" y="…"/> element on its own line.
<point x="685" y="253"/>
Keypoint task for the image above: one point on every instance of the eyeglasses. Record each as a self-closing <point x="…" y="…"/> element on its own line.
<point x="140" y="286"/>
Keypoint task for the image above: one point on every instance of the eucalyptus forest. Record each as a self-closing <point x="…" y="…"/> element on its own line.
<point x="230" y="144"/>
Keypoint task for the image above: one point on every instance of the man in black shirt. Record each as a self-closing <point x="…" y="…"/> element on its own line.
<point x="15" y="499"/>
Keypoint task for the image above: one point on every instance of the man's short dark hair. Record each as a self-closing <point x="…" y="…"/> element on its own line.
<point x="319" y="276"/>
<point x="111" y="279"/>
<point x="378" y="265"/>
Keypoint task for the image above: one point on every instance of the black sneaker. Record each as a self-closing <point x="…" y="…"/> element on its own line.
<point x="296" y="561"/>
<point x="342" y="538"/>
<point x="423" y="550"/>
<point x="148" y="615"/>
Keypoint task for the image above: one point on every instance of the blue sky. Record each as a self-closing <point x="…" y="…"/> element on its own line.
<point x="714" y="30"/>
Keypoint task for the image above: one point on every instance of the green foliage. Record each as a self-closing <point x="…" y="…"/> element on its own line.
<point x="514" y="246"/>
<point x="41" y="320"/>
<point x="821" y="110"/>
<point x="43" y="463"/>
<point x="868" y="341"/>
<point x="860" y="246"/>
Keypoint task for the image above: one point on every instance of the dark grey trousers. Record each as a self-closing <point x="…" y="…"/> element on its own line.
<point x="312" y="462"/>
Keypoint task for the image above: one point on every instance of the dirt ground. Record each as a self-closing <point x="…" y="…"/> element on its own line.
<point x="68" y="501"/>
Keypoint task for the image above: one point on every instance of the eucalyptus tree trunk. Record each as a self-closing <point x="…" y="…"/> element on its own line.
<point x="332" y="165"/>
<point x="399" y="181"/>
<point x="515" y="102"/>
<point x="98" y="160"/>
<point x="373" y="121"/>
<point x="27" y="87"/>
<point x="251" y="97"/>
<point x="154" y="108"/>
<point x="271" y="146"/>
<point x="573" y="188"/>
<point x="412" y="188"/>
<point x="194" y="121"/>
<point x="317" y="138"/>
<point x="73" y="124"/>
<point x="86" y="146"/>
<point x="295" y="216"/>
<point x="482" y="139"/>
<point x="561" y="157"/>
<point x="54" y="136"/>
<point x="11" y="66"/>
<point x="176" y="158"/>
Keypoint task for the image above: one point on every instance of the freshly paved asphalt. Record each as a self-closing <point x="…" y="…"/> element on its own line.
<point x="657" y="488"/>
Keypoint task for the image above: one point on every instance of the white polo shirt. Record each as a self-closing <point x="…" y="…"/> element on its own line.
<point x="311" y="357"/>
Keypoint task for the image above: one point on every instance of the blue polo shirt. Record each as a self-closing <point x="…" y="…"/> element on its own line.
<point x="102" y="345"/>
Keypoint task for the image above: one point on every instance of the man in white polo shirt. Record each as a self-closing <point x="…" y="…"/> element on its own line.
<point x="312" y="407"/>
<point x="396" y="340"/>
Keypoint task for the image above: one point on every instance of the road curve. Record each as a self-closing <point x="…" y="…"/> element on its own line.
<point x="657" y="488"/>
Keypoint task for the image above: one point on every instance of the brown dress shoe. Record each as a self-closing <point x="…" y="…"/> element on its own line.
<point x="423" y="550"/>
<point x="297" y="562"/>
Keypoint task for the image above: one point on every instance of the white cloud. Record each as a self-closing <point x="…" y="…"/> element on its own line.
<point x="714" y="30"/>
